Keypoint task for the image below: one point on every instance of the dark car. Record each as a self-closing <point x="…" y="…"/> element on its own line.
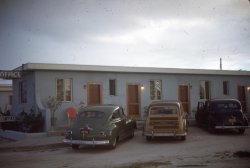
<point x="221" y="114"/>
<point x="165" y="119"/>
<point x="100" y="125"/>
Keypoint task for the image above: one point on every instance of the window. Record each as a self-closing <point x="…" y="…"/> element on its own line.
<point x="155" y="89"/>
<point x="91" y="114"/>
<point x="22" y="92"/>
<point x="204" y="90"/>
<point x="225" y="87"/>
<point x="115" y="115"/>
<point x="112" y="87"/>
<point x="64" y="89"/>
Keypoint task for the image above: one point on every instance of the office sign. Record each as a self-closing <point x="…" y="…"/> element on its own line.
<point x="10" y="74"/>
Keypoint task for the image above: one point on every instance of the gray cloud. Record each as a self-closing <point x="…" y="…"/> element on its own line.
<point x="182" y="34"/>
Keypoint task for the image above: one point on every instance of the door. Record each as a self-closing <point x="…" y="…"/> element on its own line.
<point x="94" y="94"/>
<point x="183" y="94"/>
<point x="242" y="97"/>
<point x="133" y="100"/>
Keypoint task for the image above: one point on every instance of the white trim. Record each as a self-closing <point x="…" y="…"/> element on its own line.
<point x="100" y="68"/>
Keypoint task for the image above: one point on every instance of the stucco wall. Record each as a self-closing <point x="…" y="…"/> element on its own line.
<point x="30" y="85"/>
<point x="42" y="84"/>
<point x="4" y="100"/>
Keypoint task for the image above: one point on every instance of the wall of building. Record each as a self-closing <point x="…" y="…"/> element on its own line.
<point x="42" y="84"/>
<point x="19" y="107"/>
<point x="5" y="93"/>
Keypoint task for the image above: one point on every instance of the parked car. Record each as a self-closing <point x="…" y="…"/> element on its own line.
<point x="165" y="119"/>
<point x="221" y="114"/>
<point x="100" y="125"/>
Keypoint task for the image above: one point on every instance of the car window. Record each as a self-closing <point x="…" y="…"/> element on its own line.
<point x="121" y="112"/>
<point x="91" y="114"/>
<point x="163" y="110"/>
<point x="226" y="105"/>
<point x="115" y="114"/>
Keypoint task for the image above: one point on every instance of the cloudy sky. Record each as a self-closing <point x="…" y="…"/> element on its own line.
<point x="147" y="33"/>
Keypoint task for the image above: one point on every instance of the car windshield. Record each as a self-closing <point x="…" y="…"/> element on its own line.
<point x="226" y="105"/>
<point x="91" y="114"/>
<point x="163" y="110"/>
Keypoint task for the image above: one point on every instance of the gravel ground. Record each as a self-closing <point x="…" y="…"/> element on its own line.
<point x="201" y="149"/>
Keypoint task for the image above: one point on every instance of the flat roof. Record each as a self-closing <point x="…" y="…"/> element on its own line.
<point x="5" y="88"/>
<point x="127" y="69"/>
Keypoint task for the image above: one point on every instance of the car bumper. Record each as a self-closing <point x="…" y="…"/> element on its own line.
<point x="154" y="134"/>
<point x="231" y="127"/>
<point x="84" y="142"/>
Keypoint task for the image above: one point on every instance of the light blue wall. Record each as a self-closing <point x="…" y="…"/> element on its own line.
<point x="30" y="83"/>
<point x="42" y="84"/>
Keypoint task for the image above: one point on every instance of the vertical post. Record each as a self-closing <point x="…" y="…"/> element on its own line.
<point x="220" y="64"/>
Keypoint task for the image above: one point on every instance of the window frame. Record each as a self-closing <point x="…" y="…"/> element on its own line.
<point x="206" y="85"/>
<point x="225" y="88"/>
<point x="112" y="91"/>
<point x="65" y="89"/>
<point x="23" y="98"/>
<point x="155" y="96"/>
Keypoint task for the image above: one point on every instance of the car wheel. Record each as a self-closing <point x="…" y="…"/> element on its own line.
<point x="211" y="127"/>
<point x="113" y="144"/>
<point x="75" y="146"/>
<point x="241" y="130"/>
<point x="183" y="138"/>
<point x="149" y="138"/>
<point x="132" y="134"/>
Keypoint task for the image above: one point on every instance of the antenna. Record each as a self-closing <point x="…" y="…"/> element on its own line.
<point x="220" y="64"/>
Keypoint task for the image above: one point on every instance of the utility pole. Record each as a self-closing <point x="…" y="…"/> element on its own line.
<point x="220" y="64"/>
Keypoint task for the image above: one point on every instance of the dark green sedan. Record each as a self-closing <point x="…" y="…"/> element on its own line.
<point x="100" y="125"/>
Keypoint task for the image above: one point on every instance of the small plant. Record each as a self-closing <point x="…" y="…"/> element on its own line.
<point x="53" y="105"/>
<point x="81" y="105"/>
<point x="31" y="122"/>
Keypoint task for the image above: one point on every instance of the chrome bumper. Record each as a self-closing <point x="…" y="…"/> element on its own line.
<point x="153" y="134"/>
<point x="230" y="127"/>
<point x="82" y="142"/>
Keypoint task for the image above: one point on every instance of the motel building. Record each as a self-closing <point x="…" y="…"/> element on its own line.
<point x="133" y="88"/>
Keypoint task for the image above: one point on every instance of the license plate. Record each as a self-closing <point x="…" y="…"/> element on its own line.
<point x="232" y="120"/>
<point x="84" y="131"/>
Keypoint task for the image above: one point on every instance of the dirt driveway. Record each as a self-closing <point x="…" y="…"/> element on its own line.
<point x="201" y="149"/>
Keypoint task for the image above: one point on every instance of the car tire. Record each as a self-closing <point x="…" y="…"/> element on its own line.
<point x="132" y="134"/>
<point x="75" y="146"/>
<point x="241" y="130"/>
<point x="183" y="138"/>
<point x="113" y="144"/>
<point x="149" y="138"/>
<point x="211" y="127"/>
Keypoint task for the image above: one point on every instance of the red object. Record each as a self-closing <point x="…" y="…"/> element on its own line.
<point x="71" y="113"/>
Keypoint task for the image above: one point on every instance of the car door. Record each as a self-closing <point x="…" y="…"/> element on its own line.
<point x="119" y="122"/>
<point x="127" y="123"/>
<point x="200" y="112"/>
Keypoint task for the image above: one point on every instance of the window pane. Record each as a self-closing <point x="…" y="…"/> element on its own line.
<point x="207" y="89"/>
<point x="225" y="88"/>
<point x="23" y="92"/>
<point x="59" y="87"/>
<point x="155" y="90"/>
<point x="112" y="87"/>
<point x="204" y="90"/>
<point x="68" y="87"/>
